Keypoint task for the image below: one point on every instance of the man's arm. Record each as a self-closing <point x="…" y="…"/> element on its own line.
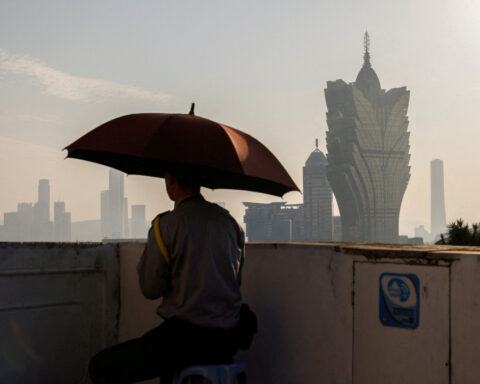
<point x="153" y="270"/>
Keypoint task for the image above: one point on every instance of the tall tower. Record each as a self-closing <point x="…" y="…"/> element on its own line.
<point x="42" y="226"/>
<point x="116" y="202"/>
<point x="62" y="222"/>
<point x="114" y="214"/>
<point x="317" y="198"/>
<point x="43" y="204"/>
<point x="438" y="221"/>
<point x="368" y="153"/>
<point x="139" y="222"/>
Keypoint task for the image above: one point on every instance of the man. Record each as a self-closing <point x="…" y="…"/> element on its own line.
<point x="193" y="259"/>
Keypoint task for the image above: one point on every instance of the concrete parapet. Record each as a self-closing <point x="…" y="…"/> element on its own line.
<point x="318" y="306"/>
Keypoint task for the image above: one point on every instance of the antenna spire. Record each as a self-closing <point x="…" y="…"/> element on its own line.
<point x="366" y="46"/>
<point x="316" y="144"/>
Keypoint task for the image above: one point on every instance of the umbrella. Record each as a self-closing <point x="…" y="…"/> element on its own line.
<point x="217" y="155"/>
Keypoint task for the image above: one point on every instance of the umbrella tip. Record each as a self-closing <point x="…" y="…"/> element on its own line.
<point x="192" y="109"/>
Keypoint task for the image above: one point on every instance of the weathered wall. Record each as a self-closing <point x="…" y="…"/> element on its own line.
<point x="137" y="314"/>
<point x="318" y="309"/>
<point x="465" y="319"/>
<point x="317" y="306"/>
<point x="58" y="306"/>
<point x="302" y="297"/>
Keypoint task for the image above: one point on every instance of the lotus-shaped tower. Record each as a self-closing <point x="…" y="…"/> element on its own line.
<point x="368" y="154"/>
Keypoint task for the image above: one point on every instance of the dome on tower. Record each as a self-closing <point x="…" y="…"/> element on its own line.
<point x="367" y="80"/>
<point x="316" y="158"/>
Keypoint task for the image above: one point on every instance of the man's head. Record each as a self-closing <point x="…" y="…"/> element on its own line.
<point x="180" y="186"/>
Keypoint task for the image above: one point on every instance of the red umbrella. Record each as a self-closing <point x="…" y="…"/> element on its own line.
<point x="217" y="155"/>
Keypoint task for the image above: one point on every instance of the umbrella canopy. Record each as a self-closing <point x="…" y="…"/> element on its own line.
<point x="217" y="155"/>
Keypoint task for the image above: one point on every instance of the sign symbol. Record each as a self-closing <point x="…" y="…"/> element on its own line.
<point x="397" y="288"/>
<point x="399" y="300"/>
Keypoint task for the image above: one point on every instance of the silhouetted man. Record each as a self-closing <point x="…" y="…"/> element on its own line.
<point x="193" y="259"/>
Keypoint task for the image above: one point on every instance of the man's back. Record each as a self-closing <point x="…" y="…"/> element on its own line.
<point x="200" y="275"/>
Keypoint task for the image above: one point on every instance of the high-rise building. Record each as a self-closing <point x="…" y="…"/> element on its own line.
<point x="438" y="220"/>
<point x="273" y="221"/>
<point x="105" y="227"/>
<point x="18" y="226"/>
<point x="368" y="153"/>
<point x="317" y="198"/>
<point x="139" y="222"/>
<point x="114" y="212"/>
<point x="26" y="228"/>
<point x="42" y="230"/>
<point x="116" y="203"/>
<point x="62" y="222"/>
<point x="43" y="203"/>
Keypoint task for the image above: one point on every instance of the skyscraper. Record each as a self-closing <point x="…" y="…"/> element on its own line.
<point x="317" y="198"/>
<point x="62" y="222"/>
<point x="139" y="223"/>
<point x="368" y="153"/>
<point x="438" y="221"/>
<point x="42" y="226"/>
<point x="105" y="227"/>
<point x="43" y="205"/>
<point x="277" y="221"/>
<point x="116" y="202"/>
<point x="114" y="212"/>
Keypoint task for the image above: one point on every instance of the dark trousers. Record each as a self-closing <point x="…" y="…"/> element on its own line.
<point x="163" y="351"/>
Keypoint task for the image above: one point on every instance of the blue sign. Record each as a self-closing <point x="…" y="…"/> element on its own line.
<point x="399" y="300"/>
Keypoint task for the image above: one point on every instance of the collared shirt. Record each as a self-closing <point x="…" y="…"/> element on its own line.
<point x="205" y="248"/>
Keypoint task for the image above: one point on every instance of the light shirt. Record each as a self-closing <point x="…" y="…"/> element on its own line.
<point x="205" y="248"/>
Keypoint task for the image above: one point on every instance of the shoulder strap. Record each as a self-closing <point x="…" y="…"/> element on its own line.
<point x="160" y="242"/>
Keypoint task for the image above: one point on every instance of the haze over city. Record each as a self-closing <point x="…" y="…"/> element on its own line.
<point x="261" y="67"/>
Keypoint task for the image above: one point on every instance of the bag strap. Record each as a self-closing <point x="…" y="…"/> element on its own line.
<point x="160" y="242"/>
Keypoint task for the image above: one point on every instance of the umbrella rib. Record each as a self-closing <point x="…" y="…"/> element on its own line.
<point x="225" y="130"/>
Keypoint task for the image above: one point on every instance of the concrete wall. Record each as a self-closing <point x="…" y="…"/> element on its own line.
<point x="317" y="306"/>
<point x="137" y="314"/>
<point x="58" y="306"/>
<point x="465" y="319"/>
<point x="302" y="297"/>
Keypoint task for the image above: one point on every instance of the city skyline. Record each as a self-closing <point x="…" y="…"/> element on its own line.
<point x="32" y="221"/>
<point x="42" y="221"/>
<point x="68" y="74"/>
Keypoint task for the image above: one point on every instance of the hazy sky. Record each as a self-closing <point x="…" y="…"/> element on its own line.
<point x="260" y="66"/>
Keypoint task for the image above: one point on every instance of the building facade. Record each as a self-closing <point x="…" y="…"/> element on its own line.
<point x="317" y="198"/>
<point x="438" y="219"/>
<point x="139" y="222"/>
<point x="62" y="222"/>
<point x="114" y="207"/>
<point x="273" y="221"/>
<point x="368" y="154"/>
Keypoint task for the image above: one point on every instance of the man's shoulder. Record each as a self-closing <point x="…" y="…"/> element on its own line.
<point x="159" y="216"/>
